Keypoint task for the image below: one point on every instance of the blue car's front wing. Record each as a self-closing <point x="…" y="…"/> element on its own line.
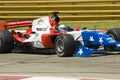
<point x="95" y="38"/>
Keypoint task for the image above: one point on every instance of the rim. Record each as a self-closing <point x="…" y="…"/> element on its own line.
<point x="60" y="46"/>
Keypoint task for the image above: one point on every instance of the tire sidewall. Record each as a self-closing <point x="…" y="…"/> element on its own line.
<point x="114" y="33"/>
<point x="6" y="41"/>
<point x="66" y="43"/>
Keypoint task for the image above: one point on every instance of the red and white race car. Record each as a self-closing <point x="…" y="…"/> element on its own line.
<point x="43" y="33"/>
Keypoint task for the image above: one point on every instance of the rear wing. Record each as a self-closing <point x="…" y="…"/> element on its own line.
<point x="15" y="24"/>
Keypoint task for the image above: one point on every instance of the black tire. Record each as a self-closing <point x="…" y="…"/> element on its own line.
<point x="6" y="41"/>
<point x="64" y="45"/>
<point x="115" y="33"/>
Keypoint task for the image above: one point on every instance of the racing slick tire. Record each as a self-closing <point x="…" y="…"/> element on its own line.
<point x="115" y="33"/>
<point x="6" y="41"/>
<point x="64" y="45"/>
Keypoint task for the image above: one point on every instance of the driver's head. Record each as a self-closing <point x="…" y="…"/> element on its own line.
<point x="63" y="27"/>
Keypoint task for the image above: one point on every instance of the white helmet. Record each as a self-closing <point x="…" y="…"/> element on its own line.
<point x="62" y="27"/>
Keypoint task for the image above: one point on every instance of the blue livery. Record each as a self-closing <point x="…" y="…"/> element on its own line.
<point x="92" y="42"/>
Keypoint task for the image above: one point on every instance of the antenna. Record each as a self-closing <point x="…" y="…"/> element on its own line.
<point x="55" y="13"/>
<point x="55" y="17"/>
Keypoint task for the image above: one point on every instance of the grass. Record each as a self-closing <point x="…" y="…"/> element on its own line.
<point x="102" y="25"/>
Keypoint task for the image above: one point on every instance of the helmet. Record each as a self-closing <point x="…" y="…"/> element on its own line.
<point x="62" y="27"/>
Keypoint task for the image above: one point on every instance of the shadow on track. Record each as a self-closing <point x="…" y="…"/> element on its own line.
<point x="106" y="54"/>
<point x="33" y="51"/>
<point x="25" y="50"/>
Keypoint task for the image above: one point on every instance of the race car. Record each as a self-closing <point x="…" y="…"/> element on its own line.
<point x="42" y="33"/>
<point x="46" y="33"/>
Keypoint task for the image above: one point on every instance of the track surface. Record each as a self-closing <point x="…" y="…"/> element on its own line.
<point x="98" y="66"/>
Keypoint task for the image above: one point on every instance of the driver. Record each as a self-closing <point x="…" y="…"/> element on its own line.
<point x="63" y="28"/>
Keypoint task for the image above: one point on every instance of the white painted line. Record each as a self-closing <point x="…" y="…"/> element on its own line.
<point x="48" y="78"/>
<point x="59" y="78"/>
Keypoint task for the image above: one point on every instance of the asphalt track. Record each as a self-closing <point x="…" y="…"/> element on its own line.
<point x="37" y="64"/>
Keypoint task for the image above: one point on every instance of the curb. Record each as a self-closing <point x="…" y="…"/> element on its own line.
<point x="47" y="78"/>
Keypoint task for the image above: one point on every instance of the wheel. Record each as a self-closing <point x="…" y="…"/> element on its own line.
<point x="64" y="45"/>
<point x="6" y="41"/>
<point x="115" y="33"/>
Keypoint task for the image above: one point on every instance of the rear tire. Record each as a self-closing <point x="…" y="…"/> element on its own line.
<point x="64" y="45"/>
<point x="6" y="41"/>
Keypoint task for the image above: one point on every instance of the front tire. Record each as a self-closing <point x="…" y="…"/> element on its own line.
<point x="64" y="45"/>
<point x="114" y="33"/>
<point x="6" y="41"/>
